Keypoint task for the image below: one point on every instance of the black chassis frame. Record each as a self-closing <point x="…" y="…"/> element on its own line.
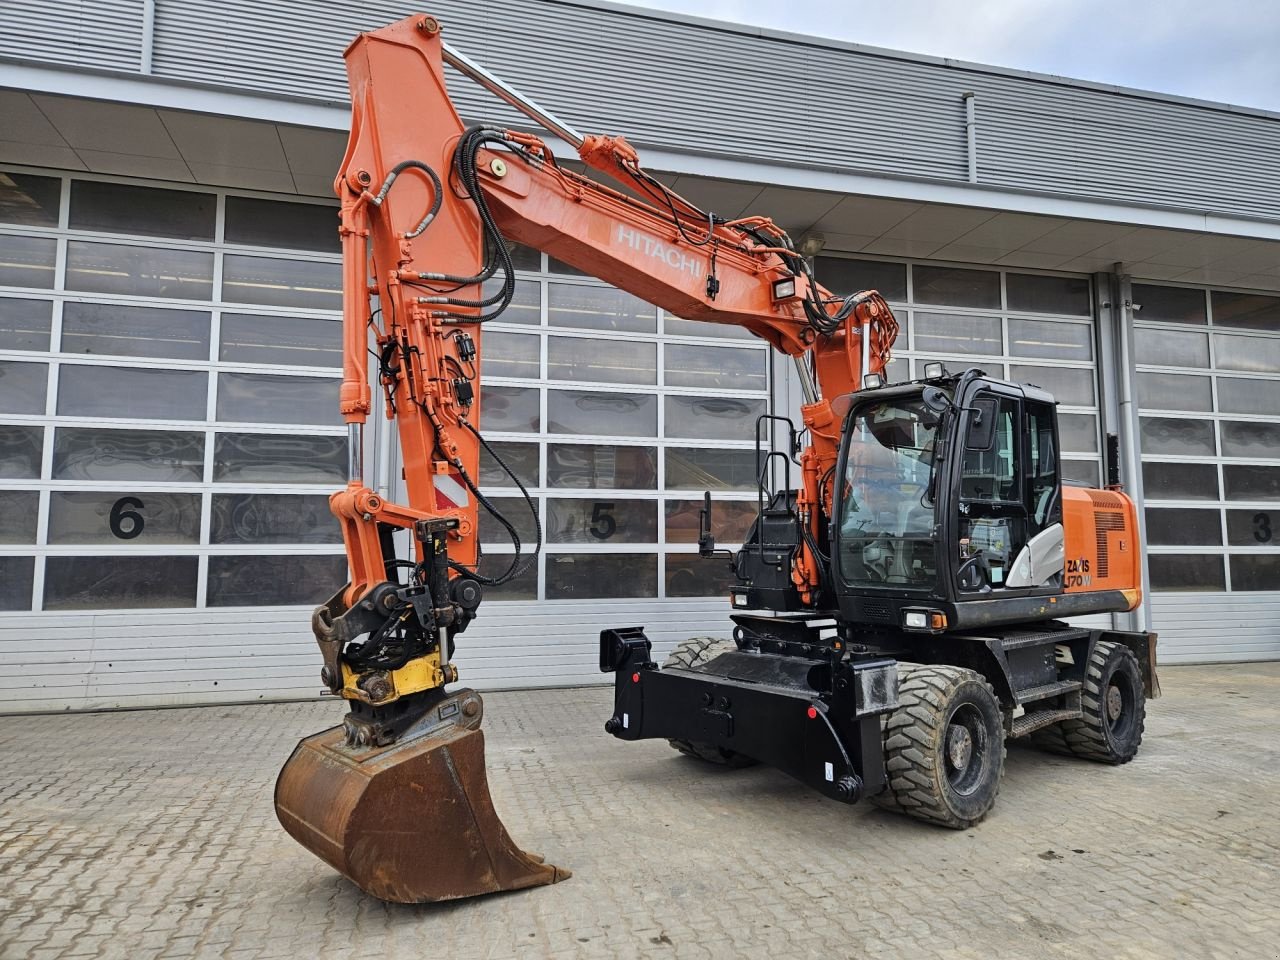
<point x="800" y="696"/>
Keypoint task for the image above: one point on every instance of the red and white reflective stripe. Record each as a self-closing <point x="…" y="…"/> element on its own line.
<point x="450" y="492"/>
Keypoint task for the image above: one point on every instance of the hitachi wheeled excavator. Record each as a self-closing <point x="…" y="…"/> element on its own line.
<point x="898" y="614"/>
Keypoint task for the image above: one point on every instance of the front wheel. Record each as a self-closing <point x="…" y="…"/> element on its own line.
<point x="1113" y="710"/>
<point x="943" y="746"/>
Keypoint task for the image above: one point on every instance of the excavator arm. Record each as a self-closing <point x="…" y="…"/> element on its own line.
<point x="428" y="207"/>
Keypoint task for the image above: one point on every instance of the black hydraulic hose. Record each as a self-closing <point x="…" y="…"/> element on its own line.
<point x="437" y="192"/>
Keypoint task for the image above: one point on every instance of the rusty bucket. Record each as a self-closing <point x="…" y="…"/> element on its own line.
<point x="412" y="822"/>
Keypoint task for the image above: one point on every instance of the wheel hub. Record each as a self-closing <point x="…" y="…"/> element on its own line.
<point x="959" y="747"/>
<point x="1115" y="703"/>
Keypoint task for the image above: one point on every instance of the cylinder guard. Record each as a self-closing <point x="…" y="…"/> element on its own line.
<point x="412" y="822"/>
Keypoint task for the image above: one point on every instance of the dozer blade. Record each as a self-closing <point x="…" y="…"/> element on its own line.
<point x="412" y="822"/>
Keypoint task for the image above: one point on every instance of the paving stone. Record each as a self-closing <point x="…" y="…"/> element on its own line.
<point x="152" y="833"/>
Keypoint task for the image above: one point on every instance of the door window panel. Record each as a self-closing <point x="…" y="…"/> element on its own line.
<point x="957" y="333"/>
<point x="160" y="456"/>
<point x="520" y="458"/>
<point x="510" y="409"/>
<point x="1245" y="439"/>
<point x="21" y="451"/>
<point x="511" y="355"/>
<point x="1043" y="294"/>
<point x="689" y="575"/>
<point x="844" y="277"/>
<point x="1180" y="481"/>
<point x="272" y="518"/>
<point x="275" y="223"/>
<point x="1078" y="432"/>
<point x="262" y="398"/>
<point x="1188" y="573"/>
<point x="1183" y="528"/>
<point x="602" y="361"/>
<point x="523" y="586"/>
<point x="593" y="576"/>
<point x="109" y="329"/>
<point x="1251" y="482"/>
<point x="18" y="510"/>
<point x="1256" y="395"/>
<point x="1170" y="437"/>
<point x="602" y="414"/>
<point x="306" y="284"/>
<point x="119" y="582"/>
<point x="1248" y="311"/>
<point x="955" y="286"/>
<point x="274" y="581"/>
<point x="23" y="387"/>
<point x="27" y="261"/>
<point x="602" y="466"/>
<point x="279" y="458"/>
<point x="139" y="271"/>
<point x="525" y="306"/>
<point x="706" y="468"/>
<point x="598" y="308"/>
<point x="1050" y="340"/>
<point x="293" y="341"/>
<point x="1255" y="572"/>
<point x="730" y="520"/>
<point x="17" y="578"/>
<point x="121" y="208"/>
<point x="601" y="520"/>
<point x="691" y="365"/>
<point x="1254" y="528"/>
<point x="1072" y="386"/>
<point x="713" y="418"/>
<point x="29" y="200"/>
<point x="124" y="517"/>
<point x="517" y="513"/>
<point x="25" y="324"/>
<point x="1170" y="304"/>
<point x="1171" y="391"/>
<point x="1170" y="348"/>
<point x="1081" y="472"/>
<point x="1247" y="354"/>
<point x="140" y="393"/>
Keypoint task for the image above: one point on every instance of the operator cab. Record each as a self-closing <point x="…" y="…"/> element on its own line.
<point x="949" y="504"/>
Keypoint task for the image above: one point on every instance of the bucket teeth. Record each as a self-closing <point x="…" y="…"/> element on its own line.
<point x="410" y="823"/>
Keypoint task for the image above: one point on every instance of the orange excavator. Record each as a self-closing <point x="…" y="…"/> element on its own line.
<point x="898" y="613"/>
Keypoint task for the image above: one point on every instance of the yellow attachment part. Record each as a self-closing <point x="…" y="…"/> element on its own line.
<point x="387" y="686"/>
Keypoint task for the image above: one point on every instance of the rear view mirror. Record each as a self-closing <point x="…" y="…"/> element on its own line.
<point x="982" y="425"/>
<point x="706" y="542"/>
<point x="935" y="399"/>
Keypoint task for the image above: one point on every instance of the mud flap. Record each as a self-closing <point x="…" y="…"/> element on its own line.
<point x="412" y="822"/>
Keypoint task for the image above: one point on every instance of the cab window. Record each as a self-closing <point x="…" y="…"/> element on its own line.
<point x="990" y="470"/>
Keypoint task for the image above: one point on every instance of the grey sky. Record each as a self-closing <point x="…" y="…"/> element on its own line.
<point x="1224" y="50"/>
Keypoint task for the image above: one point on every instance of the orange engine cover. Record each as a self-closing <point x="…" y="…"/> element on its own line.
<point x="1103" y="552"/>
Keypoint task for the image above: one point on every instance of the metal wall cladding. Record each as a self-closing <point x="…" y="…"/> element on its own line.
<point x="716" y="91"/>
<point x="105" y="34"/>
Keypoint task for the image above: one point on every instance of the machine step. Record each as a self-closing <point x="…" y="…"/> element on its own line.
<point x="1036" y="719"/>
<point x="1047" y="690"/>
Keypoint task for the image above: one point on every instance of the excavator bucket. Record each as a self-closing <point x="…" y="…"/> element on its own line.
<point x="411" y="822"/>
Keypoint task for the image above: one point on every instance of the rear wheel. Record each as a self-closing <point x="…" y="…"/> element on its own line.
<point x="1113" y="710"/>
<point x="690" y="653"/>
<point x="943" y="746"/>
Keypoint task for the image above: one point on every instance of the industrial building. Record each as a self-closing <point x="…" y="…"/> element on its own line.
<point x="170" y="349"/>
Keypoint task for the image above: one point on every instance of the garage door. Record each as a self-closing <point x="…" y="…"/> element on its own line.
<point x="1208" y="386"/>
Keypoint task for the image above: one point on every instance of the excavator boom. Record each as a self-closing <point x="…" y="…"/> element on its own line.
<point x="396" y="798"/>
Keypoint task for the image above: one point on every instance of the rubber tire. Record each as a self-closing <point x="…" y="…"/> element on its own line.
<point x="915" y="746"/>
<point x="689" y="653"/>
<point x="1092" y="737"/>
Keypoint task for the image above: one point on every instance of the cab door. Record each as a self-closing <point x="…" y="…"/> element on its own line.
<point x="992" y="496"/>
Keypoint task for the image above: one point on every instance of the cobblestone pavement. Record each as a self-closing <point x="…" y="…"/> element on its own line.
<point x="151" y="834"/>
